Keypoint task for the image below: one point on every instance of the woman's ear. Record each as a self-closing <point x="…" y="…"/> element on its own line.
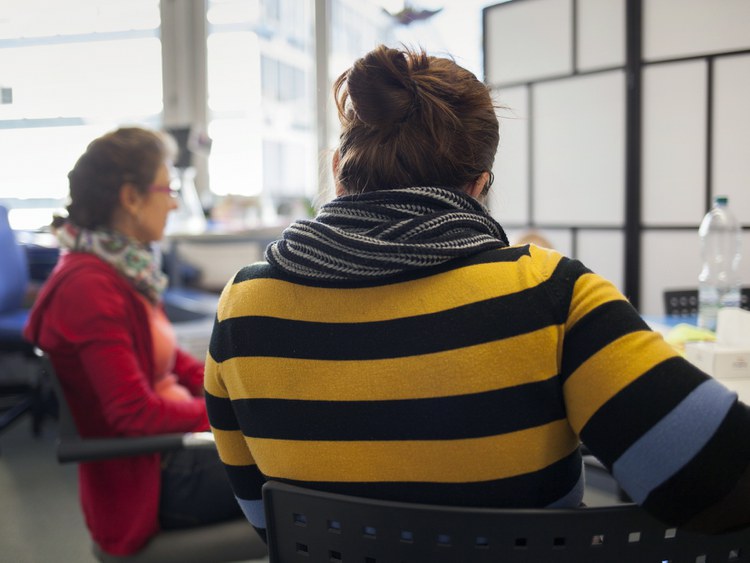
<point x="130" y="198"/>
<point x="475" y="189"/>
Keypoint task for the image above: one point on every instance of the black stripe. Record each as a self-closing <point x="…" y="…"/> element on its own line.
<point x="263" y="270"/>
<point x="709" y="476"/>
<point x="615" y="427"/>
<point x="537" y="489"/>
<point x="598" y="328"/>
<point x="562" y="281"/>
<point x="220" y="412"/>
<point x="246" y="481"/>
<point x="214" y="344"/>
<point x="443" y="418"/>
<point x="259" y="270"/>
<point x="467" y="325"/>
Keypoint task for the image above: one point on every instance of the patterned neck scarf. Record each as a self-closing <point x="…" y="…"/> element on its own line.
<point x="132" y="259"/>
<point x="385" y="233"/>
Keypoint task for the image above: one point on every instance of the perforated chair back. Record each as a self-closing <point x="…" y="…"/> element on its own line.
<point x="684" y="302"/>
<point x="681" y="302"/>
<point x="306" y="525"/>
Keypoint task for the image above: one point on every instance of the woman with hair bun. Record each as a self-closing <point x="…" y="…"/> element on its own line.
<point x="397" y="347"/>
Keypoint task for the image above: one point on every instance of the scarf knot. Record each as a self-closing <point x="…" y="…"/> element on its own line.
<point x="385" y="233"/>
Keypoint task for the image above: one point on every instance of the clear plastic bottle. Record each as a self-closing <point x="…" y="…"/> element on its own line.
<point x="721" y="246"/>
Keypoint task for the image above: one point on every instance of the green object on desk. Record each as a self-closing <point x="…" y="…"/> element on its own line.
<point x="683" y="333"/>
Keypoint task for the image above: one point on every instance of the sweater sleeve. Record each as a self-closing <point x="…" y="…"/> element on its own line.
<point x="244" y="475"/>
<point x="91" y="317"/>
<point x="674" y="438"/>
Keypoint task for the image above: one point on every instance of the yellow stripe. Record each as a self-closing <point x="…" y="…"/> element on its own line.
<point x="211" y="379"/>
<point x="595" y="382"/>
<point x="275" y="298"/>
<point x="233" y="448"/>
<point x="590" y="291"/>
<point x="467" y="370"/>
<point x="438" y="461"/>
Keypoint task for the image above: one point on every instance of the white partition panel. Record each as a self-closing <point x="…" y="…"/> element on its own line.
<point x="603" y="252"/>
<point x="674" y="143"/>
<point x="601" y="34"/>
<point x="514" y="234"/>
<point x="671" y="260"/>
<point x="557" y="239"/>
<point x="528" y="40"/>
<point x="731" y="134"/>
<point x="680" y="28"/>
<point x="693" y="108"/>
<point x="560" y="239"/>
<point x="508" y="198"/>
<point x="579" y="153"/>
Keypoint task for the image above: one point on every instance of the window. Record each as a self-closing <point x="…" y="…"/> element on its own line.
<point x="59" y="96"/>
<point x="76" y="69"/>
<point x="260" y="74"/>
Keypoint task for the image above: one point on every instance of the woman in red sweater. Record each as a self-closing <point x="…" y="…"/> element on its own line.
<point x="100" y="320"/>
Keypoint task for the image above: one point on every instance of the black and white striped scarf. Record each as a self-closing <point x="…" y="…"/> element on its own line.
<point x="385" y="233"/>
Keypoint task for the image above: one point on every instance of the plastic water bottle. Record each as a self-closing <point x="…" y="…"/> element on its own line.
<point x="719" y="280"/>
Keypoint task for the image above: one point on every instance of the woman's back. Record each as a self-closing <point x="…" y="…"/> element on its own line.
<point x="443" y="386"/>
<point x="396" y="347"/>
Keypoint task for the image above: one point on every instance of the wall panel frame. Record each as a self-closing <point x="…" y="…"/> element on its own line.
<point x="686" y="135"/>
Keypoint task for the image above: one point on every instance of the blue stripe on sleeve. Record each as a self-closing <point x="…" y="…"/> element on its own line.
<point x="674" y="441"/>
<point x="254" y="512"/>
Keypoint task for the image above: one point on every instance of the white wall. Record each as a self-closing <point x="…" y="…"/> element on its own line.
<point x="559" y="67"/>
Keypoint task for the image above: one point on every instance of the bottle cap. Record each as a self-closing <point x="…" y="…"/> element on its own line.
<point x="721" y="200"/>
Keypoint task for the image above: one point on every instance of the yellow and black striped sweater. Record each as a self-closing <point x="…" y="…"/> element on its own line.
<point x="471" y="383"/>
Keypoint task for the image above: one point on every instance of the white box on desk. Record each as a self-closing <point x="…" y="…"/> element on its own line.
<point x="722" y="362"/>
<point x="728" y="357"/>
<point x="729" y="365"/>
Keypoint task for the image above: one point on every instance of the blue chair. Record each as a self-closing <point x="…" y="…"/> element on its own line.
<point x="20" y="393"/>
<point x="14" y="279"/>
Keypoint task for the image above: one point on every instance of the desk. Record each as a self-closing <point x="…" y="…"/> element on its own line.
<point x="208" y="251"/>
<point x="666" y="323"/>
<point x="734" y="376"/>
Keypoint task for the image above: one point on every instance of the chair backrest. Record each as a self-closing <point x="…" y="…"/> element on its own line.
<point x="684" y="302"/>
<point x="306" y="525"/>
<point x="71" y="447"/>
<point x="224" y="541"/>
<point x="14" y="274"/>
<point x="681" y="302"/>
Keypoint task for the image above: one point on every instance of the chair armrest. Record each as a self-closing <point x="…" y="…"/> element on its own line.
<point x="92" y="449"/>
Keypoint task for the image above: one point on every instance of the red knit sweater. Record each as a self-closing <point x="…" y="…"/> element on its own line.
<point x="95" y="329"/>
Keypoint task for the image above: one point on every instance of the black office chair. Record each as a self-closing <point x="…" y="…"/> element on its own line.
<point x="684" y="302"/>
<point x="681" y="302"/>
<point x="226" y="541"/>
<point x="306" y="525"/>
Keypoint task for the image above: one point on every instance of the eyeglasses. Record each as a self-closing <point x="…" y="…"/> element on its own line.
<point x="172" y="190"/>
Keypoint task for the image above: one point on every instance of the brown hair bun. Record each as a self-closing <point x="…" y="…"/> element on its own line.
<point x="409" y="119"/>
<point x="381" y="88"/>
